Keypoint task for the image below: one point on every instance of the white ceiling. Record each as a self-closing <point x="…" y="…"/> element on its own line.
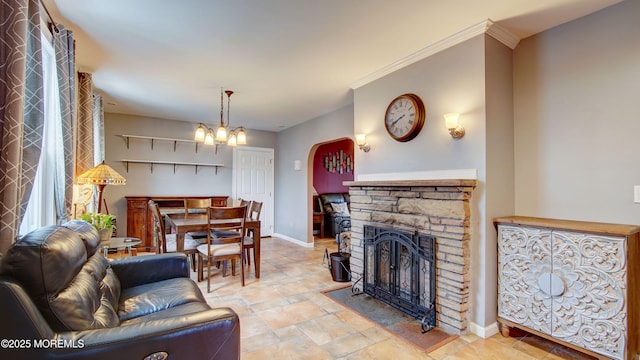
<point x="288" y="61"/>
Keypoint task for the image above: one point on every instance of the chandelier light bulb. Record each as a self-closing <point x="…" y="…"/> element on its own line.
<point x="242" y="137"/>
<point x="208" y="139"/>
<point x="221" y="134"/>
<point x="200" y="133"/>
<point x="232" y="140"/>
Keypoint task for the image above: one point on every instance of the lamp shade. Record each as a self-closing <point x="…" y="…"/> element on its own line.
<point x="221" y="134"/>
<point x="242" y="137"/>
<point x="232" y="140"/>
<point x="200" y="133"/>
<point x="102" y="174"/>
<point x="451" y="120"/>
<point x="208" y="139"/>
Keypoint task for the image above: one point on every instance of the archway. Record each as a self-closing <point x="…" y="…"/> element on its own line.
<point x="329" y="165"/>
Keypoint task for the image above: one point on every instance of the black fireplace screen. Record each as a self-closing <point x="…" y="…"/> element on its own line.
<point x="399" y="269"/>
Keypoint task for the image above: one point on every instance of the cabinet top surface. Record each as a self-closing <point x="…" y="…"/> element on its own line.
<point x="583" y="226"/>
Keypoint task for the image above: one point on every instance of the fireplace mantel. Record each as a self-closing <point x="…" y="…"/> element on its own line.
<point x="403" y="183"/>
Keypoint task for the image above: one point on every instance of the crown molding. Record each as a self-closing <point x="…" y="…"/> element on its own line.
<point x="502" y="34"/>
<point x="487" y="26"/>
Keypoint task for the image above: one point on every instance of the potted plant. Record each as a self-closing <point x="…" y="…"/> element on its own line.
<point x="102" y="222"/>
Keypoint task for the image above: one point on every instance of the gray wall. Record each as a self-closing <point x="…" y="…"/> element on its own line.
<point x="499" y="186"/>
<point x="163" y="181"/>
<point x="577" y="118"/>
<point x="449" y="81"/>
<point x="293" y="195"/>
<point x="473" y="78"/>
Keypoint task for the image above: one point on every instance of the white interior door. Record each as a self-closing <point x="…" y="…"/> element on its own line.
<point x="253" y="180"/>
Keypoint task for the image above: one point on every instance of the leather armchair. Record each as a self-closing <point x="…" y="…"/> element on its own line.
<point x="335" y="221"/>
<point x="60" y="298"/>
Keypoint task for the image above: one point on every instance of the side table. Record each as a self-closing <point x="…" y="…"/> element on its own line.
<point x="120" y="243"/>
<point x="318" y="218"/>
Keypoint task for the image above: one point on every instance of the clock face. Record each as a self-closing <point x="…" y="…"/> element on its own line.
<point x="404" y="117"/>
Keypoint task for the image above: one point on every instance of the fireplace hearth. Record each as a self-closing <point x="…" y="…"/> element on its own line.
<point x="399" y="270"/>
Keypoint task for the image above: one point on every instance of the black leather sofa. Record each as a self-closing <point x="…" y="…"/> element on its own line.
<point x="61" y="299"/>
<point x="335" y="221"/>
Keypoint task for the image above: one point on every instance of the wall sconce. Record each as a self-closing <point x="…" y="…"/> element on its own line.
<point x="361" y="140"/>
<point x="453" y="125"/>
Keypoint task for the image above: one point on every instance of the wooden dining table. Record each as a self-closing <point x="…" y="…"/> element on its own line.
<point x="199" y="222"/>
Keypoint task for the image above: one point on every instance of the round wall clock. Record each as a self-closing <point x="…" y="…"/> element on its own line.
<point x="404" y="117"/>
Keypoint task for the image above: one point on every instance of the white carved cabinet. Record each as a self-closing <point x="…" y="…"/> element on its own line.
<point x="571" y="282"/>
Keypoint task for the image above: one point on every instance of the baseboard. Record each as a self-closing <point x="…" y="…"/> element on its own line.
<point x="484" y="332"/>
<point x="295" y="241"/>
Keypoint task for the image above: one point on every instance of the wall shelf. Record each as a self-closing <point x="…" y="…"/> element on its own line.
<point x="174" y="163"/>
<point x="128" y="137"/>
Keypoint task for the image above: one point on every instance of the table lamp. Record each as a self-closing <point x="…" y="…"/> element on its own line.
<point x="101" y="176"/>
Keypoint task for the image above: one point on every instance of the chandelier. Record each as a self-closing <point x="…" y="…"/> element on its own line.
<point x="224" y="134"/>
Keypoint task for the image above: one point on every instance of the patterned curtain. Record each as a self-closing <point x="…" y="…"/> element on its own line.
<point x="85" y="142"/>
<point x="21" y="111"/>
<point x="84" y="155"/>
<point x="65" y="65"/>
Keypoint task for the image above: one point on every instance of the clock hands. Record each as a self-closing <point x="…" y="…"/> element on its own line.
<point x="398" y="119"/>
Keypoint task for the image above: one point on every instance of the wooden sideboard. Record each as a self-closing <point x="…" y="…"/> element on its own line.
<point x="140" y="221"/>
<point x="571" y="282"/>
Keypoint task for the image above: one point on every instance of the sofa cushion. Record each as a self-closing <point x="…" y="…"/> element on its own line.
<point x="71" y="292"/>
<point x="172" y="312"/>
<point x="152" y="297"/>
<point x="87" y="233"/>
<point x="330" y="198"/>
<point x="341" y="208"/>
<point x="91" y="300"/>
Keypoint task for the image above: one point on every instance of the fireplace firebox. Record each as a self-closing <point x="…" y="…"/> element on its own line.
<point x="399" y="270"/>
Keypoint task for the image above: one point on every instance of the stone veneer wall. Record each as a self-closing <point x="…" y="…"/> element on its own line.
<point x="431" y="207"/>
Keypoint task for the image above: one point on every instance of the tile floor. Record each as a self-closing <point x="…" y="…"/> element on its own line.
<point x="283" y="315"/>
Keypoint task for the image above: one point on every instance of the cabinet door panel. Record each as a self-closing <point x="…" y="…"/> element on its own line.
<point x="524" y="260"/>
<point x="590" y="312"/>
<point x="137" y="220"/>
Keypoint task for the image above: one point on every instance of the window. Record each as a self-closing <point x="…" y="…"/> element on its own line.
<point x="41" y="209"/>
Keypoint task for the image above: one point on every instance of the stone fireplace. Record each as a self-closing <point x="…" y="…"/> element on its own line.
<point x="439" y="208"/>
<point x="399" y="270"/>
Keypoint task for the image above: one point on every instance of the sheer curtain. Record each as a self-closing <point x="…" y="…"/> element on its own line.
<point x="98" y="129"/>
<point x="41" y="209"/>
<point x="64" y="47"/>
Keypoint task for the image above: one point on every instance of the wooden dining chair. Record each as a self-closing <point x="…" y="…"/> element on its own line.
<point x="223" y="233"/>
<point x="196" y="206"/>
<point x="231" y="221"/>
<point x="168" y="242"/>
<point x="253" y="214"/>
